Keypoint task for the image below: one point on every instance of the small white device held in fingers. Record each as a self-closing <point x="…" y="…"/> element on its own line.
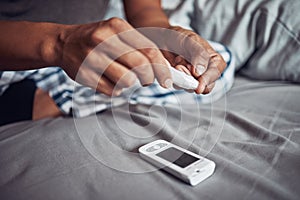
<point x="184" y="164"/>
<point x="181" y="79"/>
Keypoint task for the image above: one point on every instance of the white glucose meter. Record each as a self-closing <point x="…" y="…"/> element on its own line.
<point x="178" y="161"/>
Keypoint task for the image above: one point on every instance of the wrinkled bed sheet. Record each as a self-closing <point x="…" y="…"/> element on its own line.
<point x="253" y="135"/>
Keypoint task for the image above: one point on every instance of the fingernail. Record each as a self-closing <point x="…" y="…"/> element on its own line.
<point x="202" y="88"/>
<point x="200" y="69"/>
<point x="117" y="93"/>
<point x="146" y="84"/>
<point x="168" y="83"/>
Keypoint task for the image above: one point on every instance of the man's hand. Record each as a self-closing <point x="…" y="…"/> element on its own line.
<point x="116" y="62"/>
<point x="188" y="49"/>
<point x="192" y="52"/>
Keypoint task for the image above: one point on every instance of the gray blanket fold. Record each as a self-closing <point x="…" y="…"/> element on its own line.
<point x="252" y="135"/>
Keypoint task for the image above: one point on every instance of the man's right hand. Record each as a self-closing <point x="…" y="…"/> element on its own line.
<point x="116" y="62"/>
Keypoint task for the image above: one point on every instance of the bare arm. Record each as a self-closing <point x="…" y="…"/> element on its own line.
<point x="145" y="13"/>
<point x="196" y="54"/>
<point x="29" y="45"/>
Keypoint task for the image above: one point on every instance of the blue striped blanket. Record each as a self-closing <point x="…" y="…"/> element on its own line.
<point x="80" y="101"/>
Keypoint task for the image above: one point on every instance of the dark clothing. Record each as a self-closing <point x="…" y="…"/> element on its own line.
<point x="57" y="11"/>
<point x="16" y="103"/>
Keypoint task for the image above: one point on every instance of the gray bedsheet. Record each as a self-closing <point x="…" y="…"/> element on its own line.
<point x="253" y="135"/>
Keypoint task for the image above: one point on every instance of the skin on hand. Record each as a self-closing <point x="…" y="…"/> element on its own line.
<point x="195" y="53"/>
<point x="44" y="106"/>
<point x="101" y="71"/>
<point x="203" y="62"/>
<point x="48" y="44"/>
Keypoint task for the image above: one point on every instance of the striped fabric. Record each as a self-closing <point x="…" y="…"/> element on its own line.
<point x="80" y="101"/>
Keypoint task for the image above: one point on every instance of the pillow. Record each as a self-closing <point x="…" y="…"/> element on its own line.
<point x="263" y="35"/>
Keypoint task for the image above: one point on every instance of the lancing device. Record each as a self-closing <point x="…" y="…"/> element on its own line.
<point x="181" y="79"/>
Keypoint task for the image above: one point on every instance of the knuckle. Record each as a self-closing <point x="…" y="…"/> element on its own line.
<point x="204" y="79"/>
<point x="192" y="35"/>
<point x="130" y="82"/>
<point x="215" y="57"/>
<point x="96" y="36"/>
<point x="191" y="39"/>
<point x="221" y="62"/>
<point x="187" y="40"/>
<point x="143" y="70"/>
<point x="151" y="53"/>
<point x="116" y="22"/>
<point x="141" y="61"/>
<point x="145" y="75"/>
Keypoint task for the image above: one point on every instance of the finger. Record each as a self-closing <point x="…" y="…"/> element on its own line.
<point x="129" y="57"/>
<point x="159" y="66"/>
<point x="107" y="87"/>
<point x="183" y="69"/>
<point x="214" y="71"/>
<point x="198" y="53"/>
<point x="144" y="62"/>
<point x="120" y="75"/>
<point x="190" y="68"/>
<point x="153" y="54"/>
<point x="139" y="64"/>
<point x="181" y="61"/>
<point x="169" y="56"/>
<point x="114" y="71"/>
<point x="136" y="40"/>
<point x="190" y="46"/>
<point x="209" y="88"/>
<point x="98" y="81"/>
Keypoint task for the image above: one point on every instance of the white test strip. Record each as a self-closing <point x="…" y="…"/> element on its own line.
<point x="181" y="79"/>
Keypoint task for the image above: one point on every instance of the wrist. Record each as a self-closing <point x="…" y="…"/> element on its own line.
<point x="149" y="17"/>
<point x="50" y="47"/>
<point x="53" y="44"/>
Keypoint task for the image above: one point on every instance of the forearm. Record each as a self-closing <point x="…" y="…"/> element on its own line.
<point x="145" y="13"/>
<point x="29" y="45"/>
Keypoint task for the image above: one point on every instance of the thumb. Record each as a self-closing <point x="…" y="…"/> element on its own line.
<point x="200" y="60"/>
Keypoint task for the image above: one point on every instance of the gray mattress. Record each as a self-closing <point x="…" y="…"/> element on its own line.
<point x="252" y="134"/>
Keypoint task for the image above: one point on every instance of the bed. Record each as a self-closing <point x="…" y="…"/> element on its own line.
<point x="252" y="134"/>
<point x="253" y="139"/>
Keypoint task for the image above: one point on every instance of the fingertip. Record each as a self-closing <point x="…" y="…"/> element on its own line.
<point x="209" y="88"/>
<point x="200" y="63"/>
<point x="201" y="87"/>
<point x="127" y="80"/>
<point x="116" y="93"/>
<point x="183" y="69"/>
<point x="164" y="76"/>
<point x="146" y="84"/>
